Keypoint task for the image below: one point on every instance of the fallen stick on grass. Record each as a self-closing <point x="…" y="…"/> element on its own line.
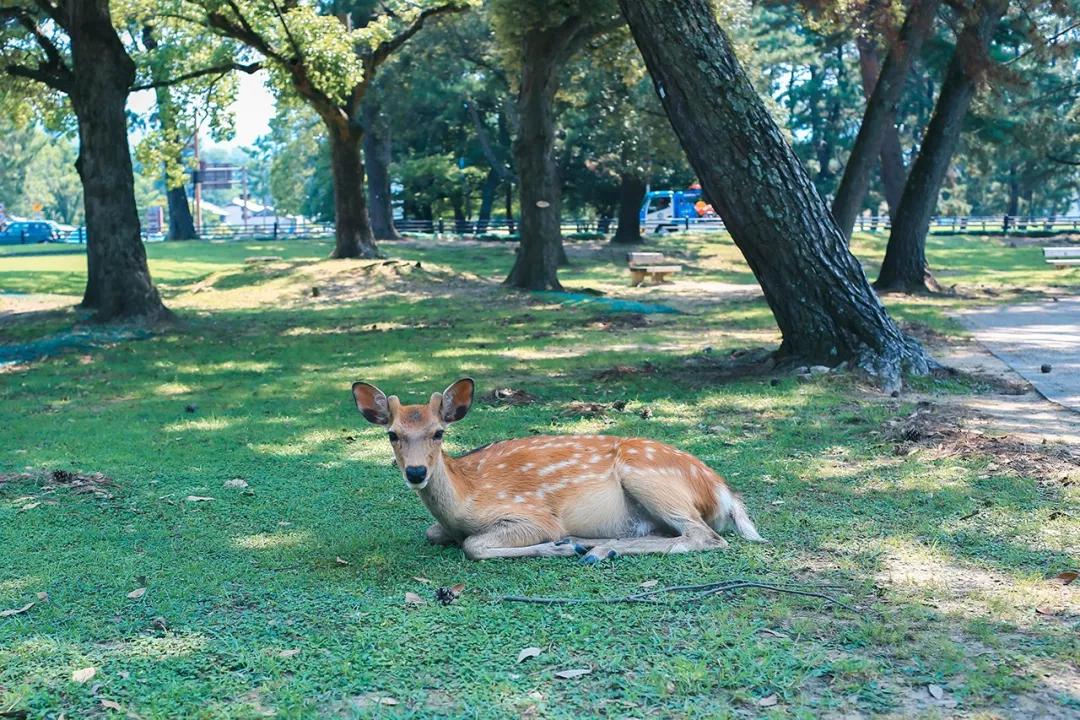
<point x="702" y="590"/>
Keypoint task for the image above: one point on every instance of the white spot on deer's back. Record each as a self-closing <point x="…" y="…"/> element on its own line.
<point x="519" y="499"/>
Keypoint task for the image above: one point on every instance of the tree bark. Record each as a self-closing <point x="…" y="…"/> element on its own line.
<point x="536" y="265"/>
<point x="816" y="289"/>
<point x="181" y="222"/>
<point x="904" y="268"/>
<point x="631" y="193"/>
<point x="893" y="170"/>
<point x="880" y="114"/>
<point x="377" y="154"/>
<point x="353" y="237"/>
<point x="118" y="278"/>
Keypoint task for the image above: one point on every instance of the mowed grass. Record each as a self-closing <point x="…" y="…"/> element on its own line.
<point x="287" y="596"/>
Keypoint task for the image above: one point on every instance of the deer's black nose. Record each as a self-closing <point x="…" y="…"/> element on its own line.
<point x="416" y="474"/>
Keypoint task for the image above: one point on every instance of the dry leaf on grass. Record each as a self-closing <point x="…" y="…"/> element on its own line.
<point x="412" y="598"/>
<point x="198" y="498"/>
<point x="1065" y="578"/>
<point x="236" y="483"/>
<point x="650" y="583"/>
<point x="422" y="579"/>
<point x="1045" y="610"/>
<point x="84" y="675"/>
<point x="340" y="560"/>
<point x="572" y="673"/>
<point x="936" y="691"/>
<point x="289" y="653"/>
<point x="136" y="593"/>
<point x="43" y="597"/>
<point x="529" y="652"/>
<point x="112" y="705"/>
<point x="388" y="701"/>
<point x="16" y="611"/>
<point x="29" y="506"/>
<point x="768" y="701"/>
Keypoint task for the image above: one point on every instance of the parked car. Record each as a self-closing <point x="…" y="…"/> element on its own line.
<point x="29" y="231"/>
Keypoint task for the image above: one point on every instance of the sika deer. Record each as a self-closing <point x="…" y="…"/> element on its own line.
<point x="592" y="495"/>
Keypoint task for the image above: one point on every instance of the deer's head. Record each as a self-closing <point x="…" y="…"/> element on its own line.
<point x="415" y="431"/>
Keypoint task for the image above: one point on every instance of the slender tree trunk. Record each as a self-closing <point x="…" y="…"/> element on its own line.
<point x="487" y="200"/>
<point x="905" y="268"/>
<point x="541" y="240"/>
<point x="377" y="154"/>
<point x="880" y="114"/>
<point x="118" y="283"/>
<point x="816" y="289"/>
<point x="181" y="222"/>
<point x="352" y="228"/>
<point x="1013" y="207"/>
<point x="893" y="170"/>
<point x="631" y="193"/>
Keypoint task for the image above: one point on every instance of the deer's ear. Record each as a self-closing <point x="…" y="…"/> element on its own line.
<point x="371" y="401"/>
<point x="457" y="399"/>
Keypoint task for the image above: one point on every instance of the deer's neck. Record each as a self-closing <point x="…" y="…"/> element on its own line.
<point x="445" y="495"/>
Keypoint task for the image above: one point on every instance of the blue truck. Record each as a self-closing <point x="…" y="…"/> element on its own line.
<point x="666" y="210"/>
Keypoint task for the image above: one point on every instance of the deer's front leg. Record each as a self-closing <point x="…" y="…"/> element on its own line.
<point x="438" y="535"/>
<point x="513" y="538"/>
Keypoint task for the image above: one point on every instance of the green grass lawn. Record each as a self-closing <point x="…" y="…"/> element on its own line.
<point x="287" y="596"/>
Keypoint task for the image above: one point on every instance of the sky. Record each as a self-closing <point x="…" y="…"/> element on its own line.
<point x="253" y="109"/>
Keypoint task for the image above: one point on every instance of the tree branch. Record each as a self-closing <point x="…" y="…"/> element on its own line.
<point x="42" y="75"/>
<point x="385" y="49"/>
<point x="215" y="70"/>
<point x="1061" y="160"/>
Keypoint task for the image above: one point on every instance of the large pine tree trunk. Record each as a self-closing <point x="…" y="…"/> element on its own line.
<point x="118" y="281"/>
<point x="631" y="193"/>
<point x="181" y="222"/>
<point x="816" y="289"/>
<point x="353" y="237"/>
<point x="534" y="154"/>
<point x="904" y="268"/>
<point x="377" y="154"/>
<point x="880" y="114"/>
<point x="893" y="171"/>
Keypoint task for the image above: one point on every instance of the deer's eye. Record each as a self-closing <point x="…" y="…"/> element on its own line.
<point x="437" y="435"/>
<point x="393" y="436"/>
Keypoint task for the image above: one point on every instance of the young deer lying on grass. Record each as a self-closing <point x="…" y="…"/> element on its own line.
<point x="591" y="495"/>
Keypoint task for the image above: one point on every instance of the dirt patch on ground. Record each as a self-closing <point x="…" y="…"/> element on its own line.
<point x="941" y="431"/>
<point x="47" y="482"/>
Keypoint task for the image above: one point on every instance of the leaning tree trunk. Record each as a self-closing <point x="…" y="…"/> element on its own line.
<point x="353" y="237"/>
<point x="893" y="171"/>
<point x="118" y="283"/>
<point x="904" y="268"/>
<point x="631" y="193"/>
<point x="181" y="222"/>
<point x="880" y="114"/>
<point x="534" y="154"/>
<point x="816" y="289"/>
<point x="377" y="154"/>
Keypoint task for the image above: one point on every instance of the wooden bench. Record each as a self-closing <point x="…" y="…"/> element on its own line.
<point x="1062" y="255"/>
<point x="643" y="265"/>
